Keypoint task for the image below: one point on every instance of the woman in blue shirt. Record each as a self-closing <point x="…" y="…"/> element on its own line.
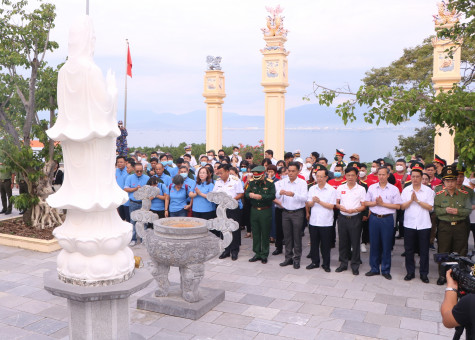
<point x="176" y="202"/>
<point x="202" y="208"/>
<point x="158" y="202"/>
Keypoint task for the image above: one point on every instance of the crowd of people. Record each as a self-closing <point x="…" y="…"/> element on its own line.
<point x="279" y="199"/>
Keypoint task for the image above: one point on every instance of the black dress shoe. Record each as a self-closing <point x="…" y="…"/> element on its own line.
<point x="8" y="212"/>
<point x="254" y="259"/>
<point x="296" y="265"/>
<point x="264" y="260"/>
<point x="387" y="276"/>
<point x="234" y="256"/>
<point x="309" y="256"/>
<point x="312" y="266"/>
<point x="403" y="254"/>
<point x="3" y="211"/>
<point x="370" y="273"/>
<point x="355" y="272"/>
<point x="409" y="277"/>
<point x="441" y="281"/>
<point x="277" y="252"/>
<point x="340" y="269"/>
<point x="326" y="269"/>
<point x="286" y="263"/>
<point x="332" y="245"/>
<point x="424" y="279"/>
<point x="224" y="254"/>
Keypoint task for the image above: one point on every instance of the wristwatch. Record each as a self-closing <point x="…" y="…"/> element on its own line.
<point x="451" y="289"/>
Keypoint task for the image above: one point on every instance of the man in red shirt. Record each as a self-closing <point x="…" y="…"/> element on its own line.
<point x="401" y="174"/>
<point x="373" y="176"/>
<point x="434" y="181"/>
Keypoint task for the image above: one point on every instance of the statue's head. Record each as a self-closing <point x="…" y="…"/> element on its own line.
<point x="81" y="38"/>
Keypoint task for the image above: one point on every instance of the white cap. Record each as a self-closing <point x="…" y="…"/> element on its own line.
<point x="300" y="160"/>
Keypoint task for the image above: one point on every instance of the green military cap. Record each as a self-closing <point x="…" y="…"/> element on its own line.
<point x="449" y="172"/>
<point x="354" y="165"/>
<point x="318" y="166"/>
<point x="258" y="169"/>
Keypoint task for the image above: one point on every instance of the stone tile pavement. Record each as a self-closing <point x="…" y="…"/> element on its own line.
<point x="263" y="302"/>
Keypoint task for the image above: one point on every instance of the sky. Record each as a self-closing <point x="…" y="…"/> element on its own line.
<point x="331" y="42"/>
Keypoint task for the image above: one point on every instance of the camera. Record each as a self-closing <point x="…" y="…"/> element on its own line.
<point x="463" y="270"/>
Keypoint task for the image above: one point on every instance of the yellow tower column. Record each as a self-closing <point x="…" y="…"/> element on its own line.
<point x="275" y="81"/>
<point x="446" y="72"/>
<point x="214" y="94"/>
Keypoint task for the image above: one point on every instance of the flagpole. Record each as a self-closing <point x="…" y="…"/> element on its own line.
<point x="125" y="102"/>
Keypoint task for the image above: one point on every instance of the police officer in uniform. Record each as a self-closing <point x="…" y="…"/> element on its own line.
<point x="452" y="207"/>
<point x="6" y="185"/>
<point x="261" y="193"/>
<point x="232" y="186"/>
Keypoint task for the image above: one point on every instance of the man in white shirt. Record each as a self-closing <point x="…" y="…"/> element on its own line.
<point x="232" y="186"/>
<point x="383" y="199"/>
<point x="418" y="201"/>
<point x="270" y="155"/>
<point x="350" y="201"/>
<point x="292" y="195"/>
<point x="307" y="168"/>
<point x="321" y="199"/>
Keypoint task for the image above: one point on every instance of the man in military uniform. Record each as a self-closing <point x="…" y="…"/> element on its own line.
<point x="439" y="164"/>
<point x="452" y="207"/>
<point x="6" y="185"/>
<point x="261" y="193"/>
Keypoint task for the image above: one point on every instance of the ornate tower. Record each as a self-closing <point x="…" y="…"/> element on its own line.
<point x="446" y="73"/>
<point x="214" y="94"/>
<point x="275" y="81"/>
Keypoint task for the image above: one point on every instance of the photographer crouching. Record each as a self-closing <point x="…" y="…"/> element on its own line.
<point x="458" y="313"/>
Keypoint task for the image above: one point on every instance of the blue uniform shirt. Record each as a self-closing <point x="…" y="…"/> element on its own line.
<point x="121" y="176"/>
<point x="133" y="181"/>
<point x="201" y="204"/>
<point x="178" y="198"/>
<point x="157" y="203"/>
<point x="167" y="180"/>
<point x="173" y="171"/>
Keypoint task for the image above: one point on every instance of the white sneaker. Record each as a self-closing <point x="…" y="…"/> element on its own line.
<point x="363" y="248"/>
<point x="132" y="243"/>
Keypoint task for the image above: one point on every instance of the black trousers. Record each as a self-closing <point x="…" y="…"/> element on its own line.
<point x="320" y="241"/>
<point x="365" y="232"/>
<point x="333" y="230"/>
<point x="400" y="222"/>
<point x="292" y="225"/>
<point x="233" y="248"/>
<point x="279" y="233"/>
<point x="414" y="239"/>
<point x="124" y="213"/>
<point x="6" y="194"/>
<point x="208" y="215"/>
<point x="472" y="228"/>
<point x="349" y="233"/>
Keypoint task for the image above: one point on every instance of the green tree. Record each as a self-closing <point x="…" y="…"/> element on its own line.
<point x="28" y="85"/>
<point x="421" y="143"/>
<point x="396" y="93"/>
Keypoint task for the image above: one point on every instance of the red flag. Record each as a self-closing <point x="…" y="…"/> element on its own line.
<point x="129" y="63"/>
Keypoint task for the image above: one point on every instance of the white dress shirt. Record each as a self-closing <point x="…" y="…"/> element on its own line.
<point x="233" y="186"/>
<point x="298" y="187"/>
<point x="305" y="173"/>
<point x="390" y="194"/>
<point x="319" y="215"/>
<point x="416" y="217"/>
<point x="350" y="198"/>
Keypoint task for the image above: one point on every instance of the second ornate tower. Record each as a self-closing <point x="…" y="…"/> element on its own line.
<point x="275" y="81"/>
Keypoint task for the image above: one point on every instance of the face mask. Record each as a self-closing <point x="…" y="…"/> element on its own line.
<point x="164" y="163"/>
<point x="308" y="165"/>
<point x="170" y="162"/>
<point x="373" y="170"/>
<point x="337" y="174"/>
<point x="243" y="169"/>
<point x="284" y="176"/>
<point x="235" y="153"/>
<point x="184" y="175"/>
<point x="362" y="174"/>
<point x="188" y="152"/>
<point x="472" y="180"/>
<point x="278" y="168"/>
<point x="139" y="158"/>
<point x="203" y="163"/>
<point x="257" y="177"/>
<point x="399" y="168"/>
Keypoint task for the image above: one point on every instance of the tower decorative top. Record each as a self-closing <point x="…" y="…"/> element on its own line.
<point x="214" y="63"/>
<point x="444" y="15"/>
<point x="275" y="23"/>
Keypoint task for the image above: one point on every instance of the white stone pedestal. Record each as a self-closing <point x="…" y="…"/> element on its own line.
<point x="98" y="313"/>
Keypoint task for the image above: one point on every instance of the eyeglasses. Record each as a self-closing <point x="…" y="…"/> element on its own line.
<point x="138" y="170"/>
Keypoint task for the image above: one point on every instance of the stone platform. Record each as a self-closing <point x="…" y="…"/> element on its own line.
<point x="174" y="305"/>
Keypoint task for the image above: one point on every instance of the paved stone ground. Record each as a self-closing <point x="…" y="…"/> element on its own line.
<point x="262" y="302"/>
